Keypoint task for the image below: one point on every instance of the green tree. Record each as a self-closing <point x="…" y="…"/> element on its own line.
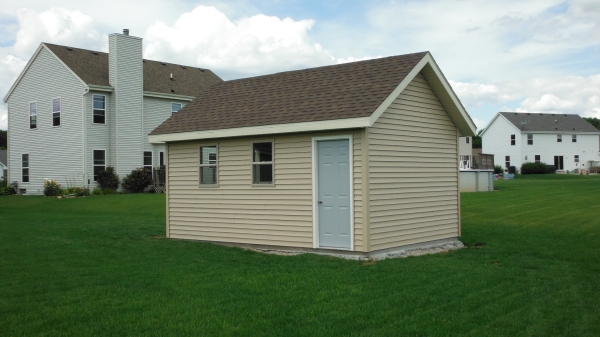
<point x="3" y="139"/>
<point x="594" y="121"/>
<point x="477" y="144"/>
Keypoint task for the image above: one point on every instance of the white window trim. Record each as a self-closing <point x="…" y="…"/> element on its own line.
<point x="59" y="112"/>
<point x="530" y="134"/>
<point x="200" y="184"/>
<point x="29" y="116"/>
<point x="151" y="159"/>
<point x="28" y="168"/>
<point x="576" y="158"/>
<point x="573" y="138"/>
<point x="181" y="104"/>
<point x="315" y="192"/>
<point x="559" y="138"/>
<point x="94" y="165"/>
<point x="105" y="109"/>
<point x="272" y="162"/>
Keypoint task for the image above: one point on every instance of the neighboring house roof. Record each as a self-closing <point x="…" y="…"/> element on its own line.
<point x="3" y="157"/>
<point x="350" y="91"/>
<point x="537" y="122"/>
<point x="92" y="68"/>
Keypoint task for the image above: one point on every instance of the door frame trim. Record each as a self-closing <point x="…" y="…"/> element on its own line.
<point x="348" y="137"/>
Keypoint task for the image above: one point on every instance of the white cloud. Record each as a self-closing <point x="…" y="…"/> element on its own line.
<point x="479" y="123"/>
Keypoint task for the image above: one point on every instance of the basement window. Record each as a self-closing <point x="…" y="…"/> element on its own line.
<point x="99" y="162"/>
<point x="175" y="107"/>
<point x="99" y="109"/>
<point x="33" y="115"/>
<point x="25" y="168"/>
<point x="513" y="140"/>
<point x="56" y="107"/>
<point x="208" y="165"/>
<point x="262" y="163"/>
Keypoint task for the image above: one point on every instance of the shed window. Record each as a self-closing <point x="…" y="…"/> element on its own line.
<point x="576" y="158"/>
<point x="56" y="107"/>
<point x="175" y="107"/>
<point x="208" y="165"/>
<point x="25" y="168"/>
<point x="506" y="162"/>
<point x="537" y="158"/>
<point x="99" y="162"/>
<point x="574" y="139"/>
<point x="513" y="140"/>
<point x="99" y="109"/>
<point x="530" y="139"/>
<point x="33" y="115"/>
<point x="559" y="138"/>
<point x="262" y="163"/>
<point x="148" y="161"/>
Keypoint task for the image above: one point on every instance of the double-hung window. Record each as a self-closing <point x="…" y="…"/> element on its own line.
<point x="262" y="163"/>
<point x="99" y="109"/>
<point x="99" y="162"/>
<point x="530" y="139"/>
<point x="33" y="115"/>
<point x="25" y="168"/>
<point x="148" y="161"/>
<point x="574" y="139"/>
<point x="506" y="161"/>
<point x="208" y="165"/>
<point x="537" y="158"/>
<point x="175" y="107"/>
<point x="56" y="108"/>
<point x="513" y="139"/>
<point x="559" y="138"/>
<point x="576" y="158"/>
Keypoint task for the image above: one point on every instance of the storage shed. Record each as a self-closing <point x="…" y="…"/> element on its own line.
<point x="360" y="158"/>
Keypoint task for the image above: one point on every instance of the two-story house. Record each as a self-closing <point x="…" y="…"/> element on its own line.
<point x="72" y="112"/>
<point x="566" y="141"/>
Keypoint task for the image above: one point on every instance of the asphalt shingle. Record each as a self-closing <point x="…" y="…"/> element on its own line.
<point x="549" y="122"/>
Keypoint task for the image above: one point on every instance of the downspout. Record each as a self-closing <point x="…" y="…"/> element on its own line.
<point x="84" y="131"/>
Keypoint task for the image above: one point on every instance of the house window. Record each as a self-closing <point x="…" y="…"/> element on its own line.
<point x="25" y="168"/>
<point x="468" y="140"/>
<point x="506" y="162"/>
<point x="576" y="158"/>
<point x="148" y="161"/>
<point x="33" y="115"/>
<point x="208" y="165"/>
<point x="99" y="109"/>
<point x="175" y="107"/>
<point x="574" y="139"/>
<point x="262" y="163"/>
<point x="56" y="107"/>
<point x="161" y="159"/>
<point x="99" y="162"/>
<point x="513" y="140"/>
<point x="537" y="158"/>
<point x="530" y="139"/>
<point x="559" y="138"/>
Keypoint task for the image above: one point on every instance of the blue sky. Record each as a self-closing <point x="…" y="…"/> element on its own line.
<point x="536" y="55"/>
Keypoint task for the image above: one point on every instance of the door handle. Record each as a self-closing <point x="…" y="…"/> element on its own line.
<point x="320" y="201"/>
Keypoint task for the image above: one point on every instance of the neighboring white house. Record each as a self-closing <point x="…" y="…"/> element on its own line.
<point x="72" y="111"/>
<point x="3" y="164"/>
<point x="566" y="141"/>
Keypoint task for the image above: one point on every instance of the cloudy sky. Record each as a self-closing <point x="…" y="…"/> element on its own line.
<point x="534" y="55"/>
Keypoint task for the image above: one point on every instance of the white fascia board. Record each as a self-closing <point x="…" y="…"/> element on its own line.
<point x="101" y="88"/>
<point x="338" y="124"/>
<point x="426" y="60"/>
<point x="168" y="96"/>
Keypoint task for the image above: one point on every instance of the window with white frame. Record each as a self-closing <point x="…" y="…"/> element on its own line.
<point x="175" y="107"/>
<point x="99" y="109"/>
<point x="506" y="161"/>
<point x="537" y="158"/>
<point x="262" y="163"/>
<point x="148" y="161"/>
<point x="208" y="165"/>
<point x="559" y="138"/>
<point x="574" y="139"/>
<point x="25" y="168"/>
<point x="530" y="139"/>
<point x="513" y="140"/>
<point x="99" y="162"/>
<point x="576" y="157"/>
<point x="56" y="107"/>
<point x="33" y="115"/>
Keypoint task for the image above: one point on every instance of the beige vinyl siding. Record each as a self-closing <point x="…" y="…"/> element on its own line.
<point x="235" y="211"/>
<point x="413" y="173"/>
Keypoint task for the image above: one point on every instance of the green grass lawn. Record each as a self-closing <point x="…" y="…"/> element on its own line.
<point x="101" y="266"/>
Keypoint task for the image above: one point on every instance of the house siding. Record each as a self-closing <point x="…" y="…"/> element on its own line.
<point x="237" y="212"/>
<point x="99" y="136"/>
<point x="156" y="111"/>
<point x="46" y="78"/>
<point x="413" y="171"/>
<point x="496" y="141"/>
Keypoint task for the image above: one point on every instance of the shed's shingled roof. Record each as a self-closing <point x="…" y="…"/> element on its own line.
<point x="92" y="68"/>
<point x="549" y="122"/>
<point x="341" y="91"/>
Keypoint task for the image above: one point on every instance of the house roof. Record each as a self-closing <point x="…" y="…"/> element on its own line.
<point x="92" y="68"/>
<point x="537" y="122"/>
<point x="339" y="92"/>
<point x="3" y="157"/>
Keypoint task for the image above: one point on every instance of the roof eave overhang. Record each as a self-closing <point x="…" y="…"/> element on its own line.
<point x="441" y="88"/>
<point x="570" y="132"/>
<point x="350" y="123"/>
<point x="101" y="88"/>
<point x="168" y="96"/>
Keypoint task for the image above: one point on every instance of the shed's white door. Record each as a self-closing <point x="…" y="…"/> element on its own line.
<point x="333" y="192"/>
